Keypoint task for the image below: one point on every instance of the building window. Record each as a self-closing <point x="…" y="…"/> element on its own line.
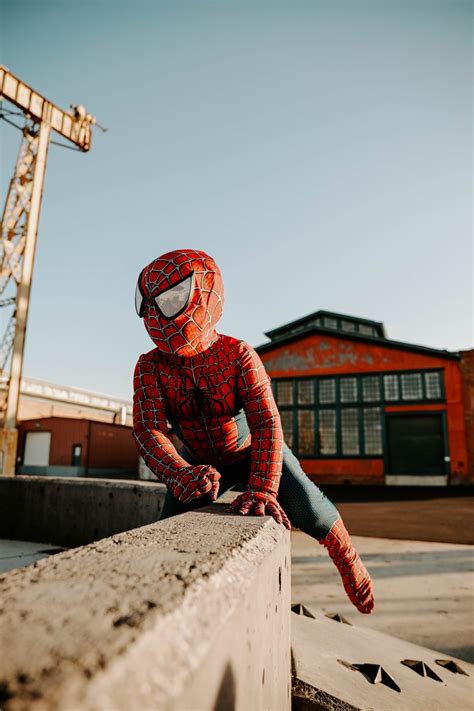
<point x="433" y="386"/>
<point x="350" y="431"/>
<point x="346" y="411"/>
<point x="287" y="426"/>
<point x="327" y="432"/>
<point x="348" y="326"/>
<point x="296" y="329"/>
<point x="372" y="431"/>
<point x="366" y="330"/>
<point x="412" y="388"/>
<point x="306" y="432"/>
<point x="330" y="322"/>
<point x="305" y="392"/>
<point x="327" y="391"/>
<point x="348" y="389"/>
<point x="390" y="386"/>
<point x="284" y="392"/>
<point x="370" y="388"/>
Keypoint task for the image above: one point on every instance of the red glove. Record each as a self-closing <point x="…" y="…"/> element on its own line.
<point x="259" y="503"/>
<point x="190" y="483"/>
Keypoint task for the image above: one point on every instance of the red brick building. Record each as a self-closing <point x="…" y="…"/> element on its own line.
<point x="61" y="446"/>
<point x="357" y="407"/>
<point x="467" y="373"/>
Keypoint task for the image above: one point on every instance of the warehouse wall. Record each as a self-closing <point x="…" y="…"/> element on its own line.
<point x="112" y="446"/>
<point x="323" y="355"/>
<point x="107" y="449"/>
<point x="316" y="354"/>
<point x="65" y="433"/>
<point x="467" y="370"/>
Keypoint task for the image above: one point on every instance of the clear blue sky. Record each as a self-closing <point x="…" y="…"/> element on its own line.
<point x="319" y="151"/>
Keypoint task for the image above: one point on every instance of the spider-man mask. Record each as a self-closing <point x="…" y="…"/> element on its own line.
<point x="180" y="296"/>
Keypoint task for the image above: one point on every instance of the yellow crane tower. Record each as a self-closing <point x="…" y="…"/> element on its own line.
<point x="19" y="232"/>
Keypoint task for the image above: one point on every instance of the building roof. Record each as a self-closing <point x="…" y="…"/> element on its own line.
<point x="75" y="420"/>
<point x="332" y="320"/>
<point x="69" y="394"/>
<point x="339" y="327"/>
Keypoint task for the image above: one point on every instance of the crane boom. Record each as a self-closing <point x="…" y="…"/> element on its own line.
<point x="76" y="126"/>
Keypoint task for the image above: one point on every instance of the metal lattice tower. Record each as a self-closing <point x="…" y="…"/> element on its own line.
<point x="19" y="231"/>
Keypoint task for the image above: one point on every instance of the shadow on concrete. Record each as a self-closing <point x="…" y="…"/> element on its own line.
<point x="440" y="520"/>
<point x="405" y="564"/>
<point x="225" y="699"/>
<point x="466" y="652"/>
<point x="346" y="494"/>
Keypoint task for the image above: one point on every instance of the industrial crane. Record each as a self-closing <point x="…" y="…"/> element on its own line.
<point x="20" y="228"/>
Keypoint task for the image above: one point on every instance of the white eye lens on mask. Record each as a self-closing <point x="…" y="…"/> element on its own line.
<point x="174" y="300"/>
<point x="138" y="300"/>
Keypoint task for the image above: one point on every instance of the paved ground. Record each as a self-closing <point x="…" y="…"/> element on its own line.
<point x="447" y="520"/>
<point x="424" y="591"/>
<point x="16" y="554"/>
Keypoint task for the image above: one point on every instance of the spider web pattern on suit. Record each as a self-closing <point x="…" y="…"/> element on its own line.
<point x="229" y="376"/>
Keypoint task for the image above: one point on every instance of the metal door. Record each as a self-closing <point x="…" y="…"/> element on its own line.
<point x="415" y="444"/>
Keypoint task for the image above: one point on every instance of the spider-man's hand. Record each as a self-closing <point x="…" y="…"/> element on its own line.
<point x="259" y="503"/>
<point x="192" y="482"/>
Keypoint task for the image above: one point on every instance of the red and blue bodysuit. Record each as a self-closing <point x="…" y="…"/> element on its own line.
<point x="214" y="392"/>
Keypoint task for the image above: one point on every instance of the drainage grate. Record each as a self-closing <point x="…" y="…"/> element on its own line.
<point x="451" y="665"/>
<point x="421" y="668"/>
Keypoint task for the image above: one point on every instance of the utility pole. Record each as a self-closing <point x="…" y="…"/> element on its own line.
<point x="19" y="231"/>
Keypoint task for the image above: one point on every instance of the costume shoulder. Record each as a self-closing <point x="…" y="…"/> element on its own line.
<point x="247" y="359"/>
<point x="248" y="352"/>
<point x="152" y="356"/>
<point x="240" y="349"/>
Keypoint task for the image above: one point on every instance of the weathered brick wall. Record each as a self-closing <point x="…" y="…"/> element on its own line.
<point x="467" y="372"/>
<point x="326" y="354"/>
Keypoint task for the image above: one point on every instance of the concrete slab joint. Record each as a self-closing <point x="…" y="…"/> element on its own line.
<point x="189" y="613"/>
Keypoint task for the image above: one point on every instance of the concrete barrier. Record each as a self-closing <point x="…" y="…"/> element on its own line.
<point x="72" y="512"/>
<point x="189" y="613"/>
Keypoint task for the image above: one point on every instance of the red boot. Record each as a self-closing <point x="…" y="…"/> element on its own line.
<point x="356" y="579"/>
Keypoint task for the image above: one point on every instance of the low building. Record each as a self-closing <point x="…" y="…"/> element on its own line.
<point x="40" y="398"/>
<point x="64" y="446"/>
<point x="357" y="407"/>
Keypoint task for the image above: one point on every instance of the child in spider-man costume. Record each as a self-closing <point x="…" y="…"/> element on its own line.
<point x="216" y="395"/>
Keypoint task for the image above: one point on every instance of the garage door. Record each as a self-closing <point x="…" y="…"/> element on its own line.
<point x="37" y="445"/>
<point x="415" y="444"/>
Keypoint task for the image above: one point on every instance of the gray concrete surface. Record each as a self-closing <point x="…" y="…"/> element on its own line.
<point x="424" y="591"/>
<point x="17" y="554"/>
<point x="72" y="512"/>
<point x="188" y="613"/>
<point x="323" y="652"/>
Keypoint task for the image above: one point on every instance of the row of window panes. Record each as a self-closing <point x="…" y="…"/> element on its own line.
<point x="360" y="431"/>
<point x="338" y="324"/>
<point x="365" y="388"/>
